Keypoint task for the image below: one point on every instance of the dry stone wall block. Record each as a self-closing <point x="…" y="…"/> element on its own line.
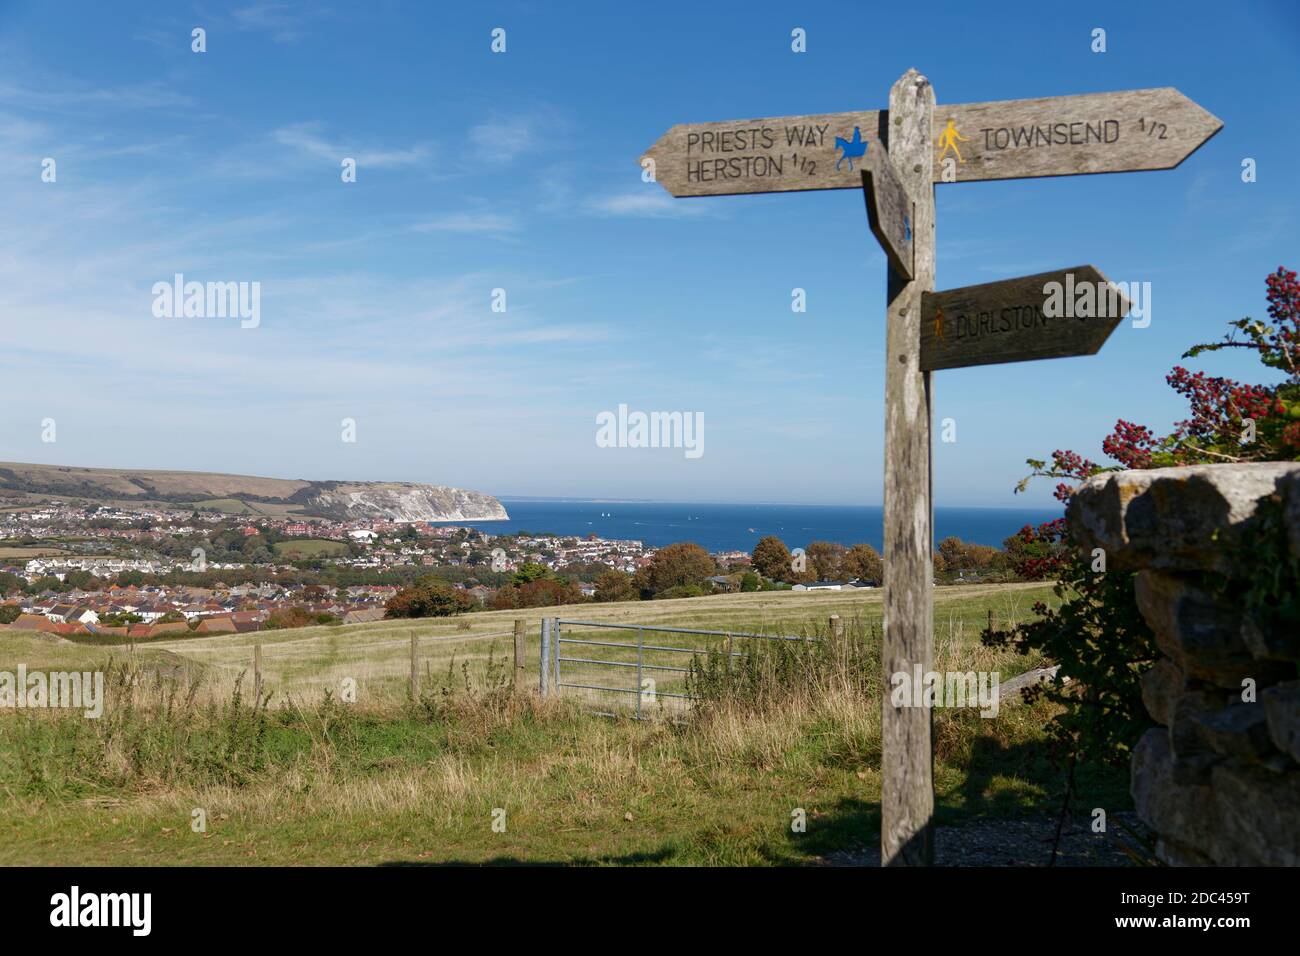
<point x="1177" y="519"/>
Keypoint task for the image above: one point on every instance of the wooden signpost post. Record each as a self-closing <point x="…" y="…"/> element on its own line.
<point x="896" y="156"/>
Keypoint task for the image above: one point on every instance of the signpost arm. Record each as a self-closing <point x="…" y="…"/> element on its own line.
<point x="907" y="760"/>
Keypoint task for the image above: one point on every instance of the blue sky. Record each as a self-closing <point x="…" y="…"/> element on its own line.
<point x="519" y="171"/>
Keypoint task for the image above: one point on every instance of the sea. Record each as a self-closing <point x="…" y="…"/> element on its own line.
<point x="731" y="527"/>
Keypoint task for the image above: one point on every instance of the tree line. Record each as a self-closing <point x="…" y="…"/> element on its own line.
<point x="688" y="570"/>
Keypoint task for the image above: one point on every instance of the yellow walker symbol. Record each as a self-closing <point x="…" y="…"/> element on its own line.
<point x="938" y="325"/>
<point x="949" y="138"/>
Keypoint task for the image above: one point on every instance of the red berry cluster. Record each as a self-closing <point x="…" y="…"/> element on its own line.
<point x="1284" y="309"/>
<point x="1069" y="464"/>
<point x="1130" y="445"/>
<point x="1220" y="405"/>
<point x="1041" y="553"/>
<point x="1073" y="465"/>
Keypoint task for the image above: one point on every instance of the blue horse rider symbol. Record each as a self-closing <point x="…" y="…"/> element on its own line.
<point x="852" y="148"/>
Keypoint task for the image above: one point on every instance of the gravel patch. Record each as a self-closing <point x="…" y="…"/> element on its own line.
<point x="1021" y="843"/>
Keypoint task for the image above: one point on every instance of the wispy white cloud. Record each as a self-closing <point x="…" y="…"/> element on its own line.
<point x="308" y="138"/>
<point x="149" y="148"/>
<point x="502" y="139"/>
<point x="19" y="135"/>
<point x="166" y="39"/>
<point x="762" y="361"/>
<point x="474" y="223"/>
<point x="285" y="22"/>
<point x="79" y="99"/>
<point x="649" y="202"/>
<point x="77" y="263"/>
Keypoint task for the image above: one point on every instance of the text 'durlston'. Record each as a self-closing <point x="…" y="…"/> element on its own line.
<point x="1047" y="315"/>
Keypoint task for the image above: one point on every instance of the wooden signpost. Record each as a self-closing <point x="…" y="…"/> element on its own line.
<point x="896" y="156"/>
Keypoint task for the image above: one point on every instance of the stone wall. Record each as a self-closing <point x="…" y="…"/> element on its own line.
<point x="1219" y="779"/>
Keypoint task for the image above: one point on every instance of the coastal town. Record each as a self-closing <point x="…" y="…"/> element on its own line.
<point x="118" y="572"/>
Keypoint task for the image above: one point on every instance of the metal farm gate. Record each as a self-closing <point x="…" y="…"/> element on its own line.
<point x="659" y="669"/>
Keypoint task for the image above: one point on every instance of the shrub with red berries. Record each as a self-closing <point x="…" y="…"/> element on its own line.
<point x="1097" y="635"/>
<point x="1229" y="421"/>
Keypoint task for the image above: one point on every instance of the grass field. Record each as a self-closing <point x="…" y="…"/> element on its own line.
<point x="230" y="506"/>
<point x="301" y="663"/>
<point x="383" y="780"/>
<point x="26" y="553"/>
<point x="310" y="548"/>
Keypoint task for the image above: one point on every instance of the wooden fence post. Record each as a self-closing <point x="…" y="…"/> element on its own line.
<point x="837" y="626"/>
<point x="545" y="655"/>
<point x="257" y="675"/>
<point x="415" y="668"/>
<point x="907" y="755"/>
<point x="519" y="654"/>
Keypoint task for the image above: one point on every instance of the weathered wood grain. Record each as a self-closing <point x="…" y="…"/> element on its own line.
<point x="907" y="761"/>
<point x="1123" y="131"/>
<point x="777" y="154"/>
<point x="1009" y="321"/>
<point x="1070" y="135"/>
<point x="889" y="211"/>
<point x="520" y="657"/>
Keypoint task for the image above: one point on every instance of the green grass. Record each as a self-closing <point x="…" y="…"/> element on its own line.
<point x="230" y="506"/>
<point x="303" y="663"/>
<point x="310" y="548"/>
<point x="312" y="780"/>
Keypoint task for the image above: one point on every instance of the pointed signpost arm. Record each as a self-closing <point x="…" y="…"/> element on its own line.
<point x="907" y="761"/>
<point x="1011" y="321"/>
<point x="1123" y="131"/>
